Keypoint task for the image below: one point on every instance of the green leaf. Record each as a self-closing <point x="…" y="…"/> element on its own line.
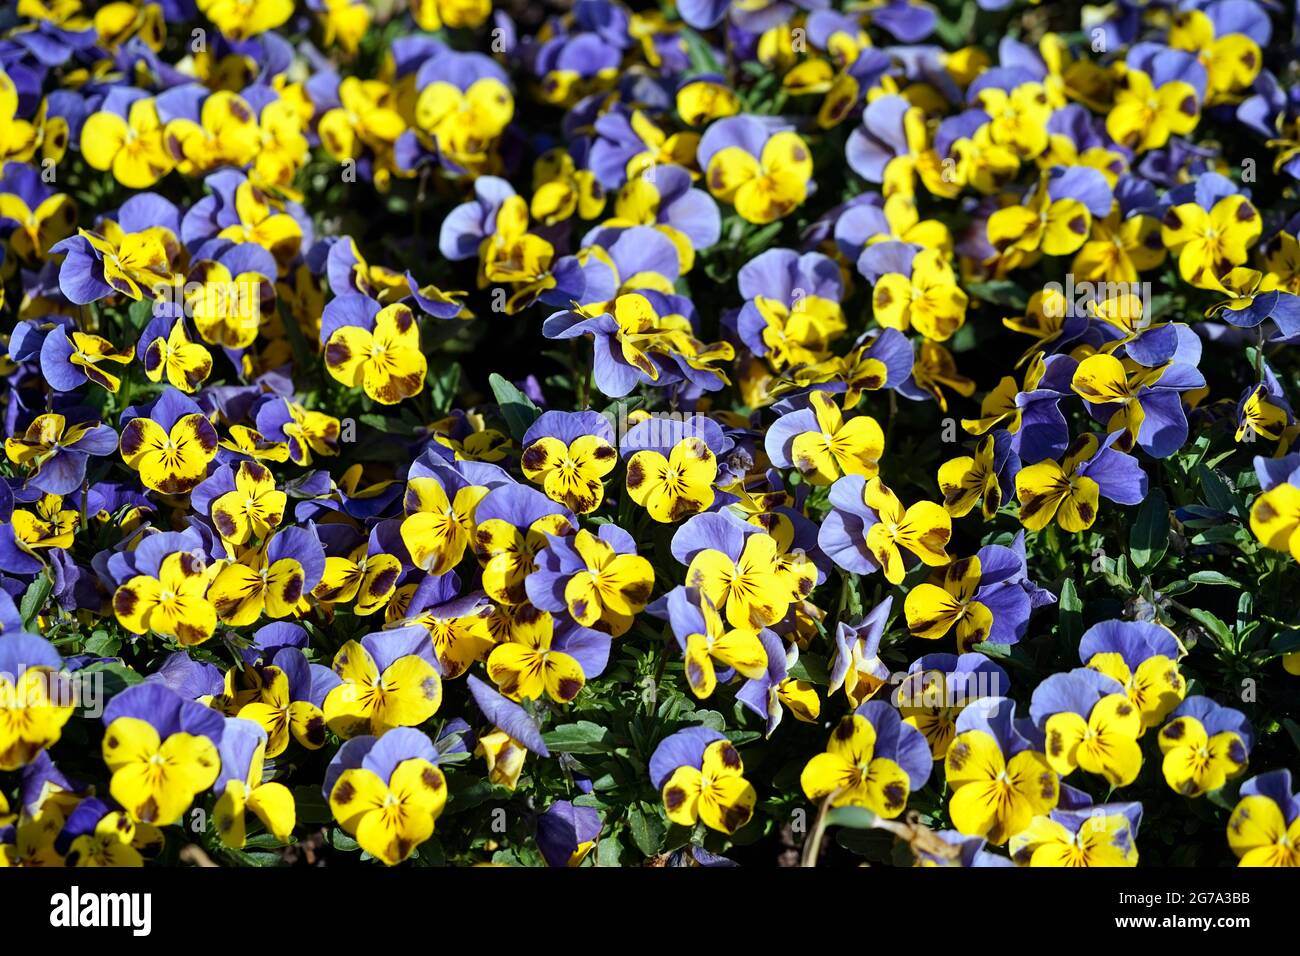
<point x="1285" y="642"/>
<point x="34" y="599"/>
<point x="117" y="677"/>
<point x="583" y="737"/>
<point x="762" y="238"/>
<point x="646" y="828"/>
<point x="1070" y="616"/>
<point x="609" y="851"/>
<point x="261" y="859"/>
<point x="102" y="644"/>
<point x="812" y="668"/>
<point x="1293" y="731"/>
<point x="140" y="313"/>
<point x="311" y="805"/>
<point x="516" y="408"/>
<point x="616" y="413"/>
<point x="999" y="292"/>
<point x="1218" y="630"/>
<point x="1149" y="538"/>
<point x="264" y="841"/>
<point x="855" y="818"/>
<point x="341" y="841"/>
<point x="1212" y="577"/>
<point x="1216" y="491"/>
<point x="699" y="52"/>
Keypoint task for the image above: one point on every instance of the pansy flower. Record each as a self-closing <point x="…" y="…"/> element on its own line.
<point x="35" y="700"/>
<point x="764" y="171"/>
<point x="822" y="445"/>
<point x="1119" y="248"/>
<point x="914" y="289"/>
<point x="387" y="792"/>
<point x="244" y="503"/>
<point x="569" y="454"/>
<point x="128" y="139"/>
<point x="97" y="834"/>
<point x="236" y="22"/>
<point x="845" y="534"/>
<point x="662" y="197"/>
<point x="171" y="446"/>
<point x="938" y="687"/>
<point x="47" y="525"/>
<point x="1031" y="415"/>
<point x="566" y="833"/>
<point x="222" y="130"/>
<point x="376" y="348"/>
<point x="1070" y="491"/>
<point x="458" y="625"/>
<point x="1089" y="722"/>
<point x="172" y="354"/>
<point x="288" y="693"/>
<point x="273" y="577"/>
<point x="514" y="735"/>
<point x="1144" y="405"/>
<point x="857" y="666"/>
<point x="700" y="775"/>
<point x="135" y="264"/>
<point x="597" y="577"/>
<point x="1263" y="409"/>
<point x="240" y="787"/>
<point x="1226" y="38"/>
<point x="631" y="142"/>
<point x="365" y="578"/>
<point x="735" y="565"/>
<point x="873" y="759"/>
<point x="987" y="597"/>
<point x="983" y="478"/>
<point x="55" y="454"/>
<point x="169" y="595"/>
<point x="230" y="295"/>
<point x="540" y="659"/>
<point x="344" y="22"/>
<point x="1204" y="745"/>
<point x="512" y="524"/>
<point x="1209" y="242"/>
<point x="643" y="337"/>
<point x="1264" y="829"/>
<point x="36" y="216"/>
<point x="463" y="106"/>
<point x="561" y="189"/>
<point x="879" y="360"/>
<point x="438" y="524"/>
<point x="1275" y="513"/>
<point x="364" y="118"/>
<point x="1146" y="113"/>
<point x="673" y="487"/>
<point x="1102" y="835"/>
<point x="713" y="651"/>
<point x="388" y="680"/>
<point x="702" y="98"/>
<point x="792" y="306"/>
<point x="162" y="751"/>
<point x="1141" y="656"/>
<point x="957" y="849"/>
<point x="774" y="691"/>
<point x="933" y="370"/>
<point x="999" y="776"/>
<point x="70" y="360"/>
<point x="922" y="529"/>
<point x="1055" y="220"/>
